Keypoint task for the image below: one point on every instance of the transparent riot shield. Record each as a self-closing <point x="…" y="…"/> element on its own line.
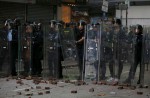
<point x="4" y="54"/>
<point x="106" y="54"/>
<point x="69" y="51"/>
<point x="119" y="54"/>
<point x="19" y="62"/>
<point x="25" y="48"/>
<point x="144" y="56"/>
<point x="91" y="53"/>
<point x="52" y="67"/>
<point x="127" y="57"/>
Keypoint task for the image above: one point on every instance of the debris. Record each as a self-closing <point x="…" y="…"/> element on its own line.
<point x="7" y="79"/>
<point x="53" y="82"/>
<point x="29" y="78"/>
<point x="47" y="92"/>
<point x="43" y="81"/>
<point x="115" y="84"/>
<point x="103" y="82"/>
<point x="40" y="93"/>
<point x="74" y="91"/>
<point x="26" y="90"/>
<point x="120" y="87"/>
<point x="19" y="82"/>
<point x="36" y="81"/>
<point x="91" y="90"/>
<point x="47" y="88"/>
<point x="18" y="93"/>
<point x="145" y="86"/>
<point x="28" y="94"/>
<point x="22" y="77"/>
<point x="140" y="93"/>
<point x="67" y="81"/>
<point x="101" y="94"/>
<point x="38" y="87"/>
<point x="141" y="86"/>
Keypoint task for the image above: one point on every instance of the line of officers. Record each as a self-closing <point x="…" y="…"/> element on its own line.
<point x="117" y="48"/>
<point x="33" y="48"/>
<point x="21" y="43"/>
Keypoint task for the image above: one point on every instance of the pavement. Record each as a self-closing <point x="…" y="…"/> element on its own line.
<point x="11" y="88"/>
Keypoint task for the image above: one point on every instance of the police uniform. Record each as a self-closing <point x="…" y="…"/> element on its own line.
<point x="54" y="54"/>
<point x="107" y="40"/>
<point x="3" y="47"/>
<point x="80" y="48"/>
<point x="13" y="47"/>
<point x="119" y="40"/>
<point x="37" y="51"/>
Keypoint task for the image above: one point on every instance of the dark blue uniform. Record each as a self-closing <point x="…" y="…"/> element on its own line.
<point x="54" y="54"/>
<point x="3" y="47"/>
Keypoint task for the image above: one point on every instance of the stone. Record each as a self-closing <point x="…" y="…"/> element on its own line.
<point x="40" y="93"/>
<point x="19" y="82"/>
<point x="27" y="90"/>
<point x="140" y="93"/>
<point x="19" y="93"/>
<point x="91" y="90"/>
<point x="7" y="79"/>
<point x="120" y="87"/>
<point x="28" y="94"/>
<point x="67" y="81"/>
<point x="47" y="92"/>
<point x="74" y="91"/>
<point x="47" y="88"/>
<point x="29" y="78"/>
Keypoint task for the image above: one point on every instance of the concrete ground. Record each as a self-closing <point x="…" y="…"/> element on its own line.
<point x="10" y="89"/>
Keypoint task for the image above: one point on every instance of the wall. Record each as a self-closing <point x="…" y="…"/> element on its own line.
<point x="136" y="15"/>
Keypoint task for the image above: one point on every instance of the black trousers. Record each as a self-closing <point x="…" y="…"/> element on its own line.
<point x="133" y="69"/>
<point x="54" y="63"/>
<point x="13" y="51"/>
<point x="3" y="53"/>
<point x="80" y="52"/>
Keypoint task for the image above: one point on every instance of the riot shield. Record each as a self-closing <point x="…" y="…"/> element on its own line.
<point x="145" y="56"/>
<point x="91" y="53"/>
<point x="128" y="58"/>
<point x="70" y="60"/>
<point x="106" y="54"/>
<point x="25" y="50"/>
<point x="52" y="52"/>
<point x="4" y="54"/>
<point x="119" y="54"/>
<point x="19" y="61"/>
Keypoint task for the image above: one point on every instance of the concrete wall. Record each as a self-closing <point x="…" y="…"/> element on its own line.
<point x="136" y="15"/>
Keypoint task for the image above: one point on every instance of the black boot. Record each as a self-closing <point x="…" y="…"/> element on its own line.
<point x="138" y="82"/>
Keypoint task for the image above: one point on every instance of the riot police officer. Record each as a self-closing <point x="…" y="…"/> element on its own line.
<point x="12" y="37"/>
<point x="37" y="46"/>
<point x="79" y="38"/>
<point x="119" y="39"/>
<point x="54" y="51"/>
<point x="107" y="41"/>
<point x="27" y="49"/>
<point x="137" y="55"/>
